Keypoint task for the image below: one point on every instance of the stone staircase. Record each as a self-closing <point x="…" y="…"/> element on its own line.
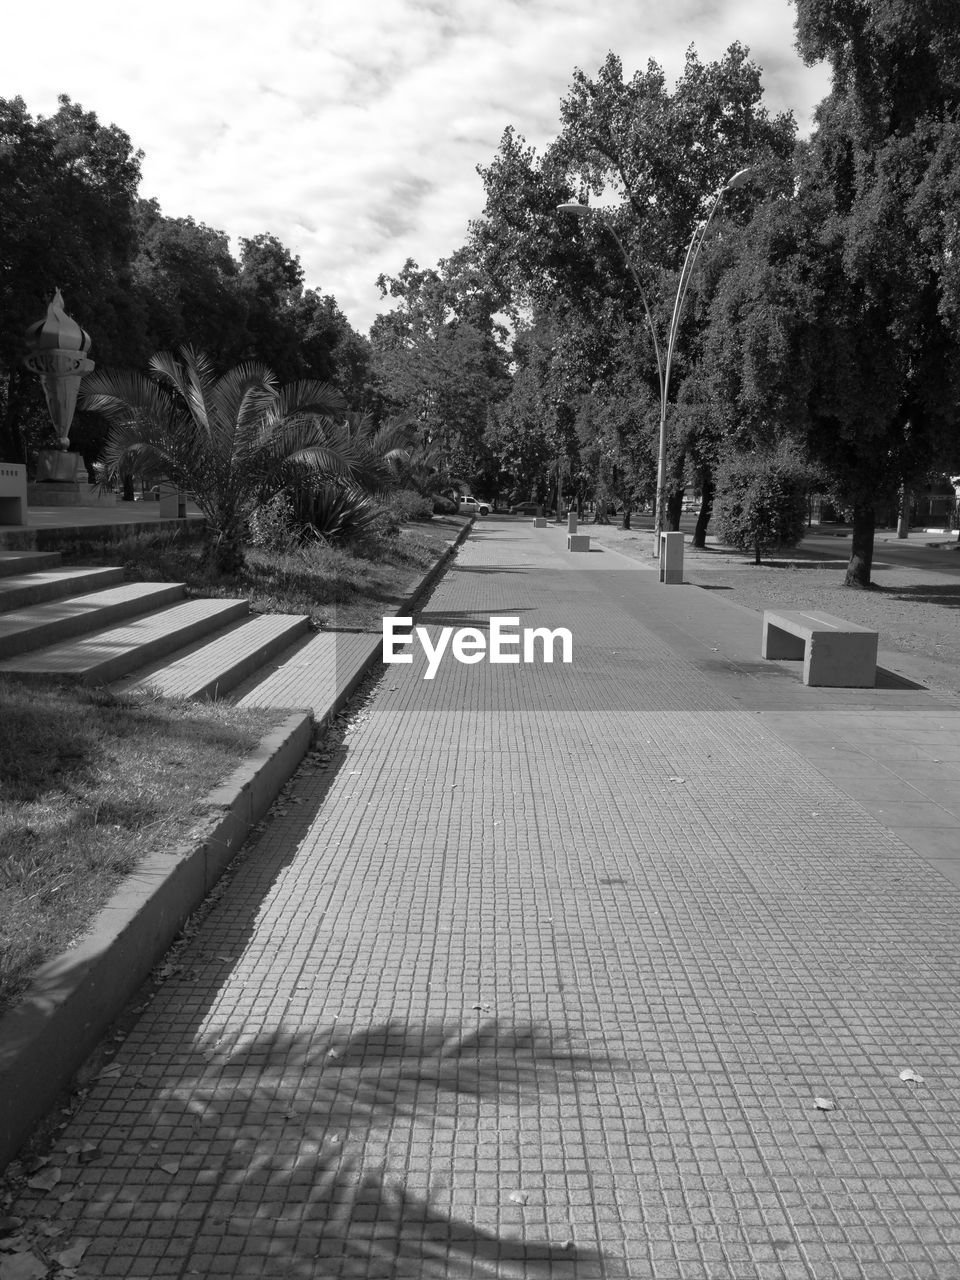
<point x="89" y="626"/>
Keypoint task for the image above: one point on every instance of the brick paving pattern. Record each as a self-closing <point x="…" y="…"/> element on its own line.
<point x="541" y="974"/>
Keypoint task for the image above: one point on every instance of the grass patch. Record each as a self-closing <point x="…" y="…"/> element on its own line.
<point x="89" y="783"/>
<point x="349" y="588"/>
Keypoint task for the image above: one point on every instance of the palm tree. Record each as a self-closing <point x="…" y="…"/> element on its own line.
<point x="231" y="440"/>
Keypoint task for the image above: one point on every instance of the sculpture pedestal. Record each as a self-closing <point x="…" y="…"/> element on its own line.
<point x="62" y="481"/>
<point x="56" y="494"/>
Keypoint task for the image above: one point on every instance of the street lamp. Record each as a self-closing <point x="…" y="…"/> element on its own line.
<point x="739" y="179"/>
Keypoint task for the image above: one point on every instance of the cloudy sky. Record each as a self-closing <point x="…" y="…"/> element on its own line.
<point x="352" y="129"/>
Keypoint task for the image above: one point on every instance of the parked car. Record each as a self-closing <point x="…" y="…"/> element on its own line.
<point x="470" y="505"/>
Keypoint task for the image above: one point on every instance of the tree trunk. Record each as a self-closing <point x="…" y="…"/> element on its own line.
<point x="626" y="517"/>
<point x="674" y="510"/>
<point x="903" y="519"/>
<point x="756" y="554"/>
<point x="706" y="508"/>
<point x="861" y="547"/>
<point x="226" y="555"/>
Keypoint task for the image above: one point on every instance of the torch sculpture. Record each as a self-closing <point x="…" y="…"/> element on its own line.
<point x="58" y="353"/>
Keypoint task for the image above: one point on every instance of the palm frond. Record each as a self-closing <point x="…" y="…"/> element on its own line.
<point x="310" y="395"/>
<point x="119" y="393"/>
<point x="245" y="394"/>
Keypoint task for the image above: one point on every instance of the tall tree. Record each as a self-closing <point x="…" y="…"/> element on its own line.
<point x="190" y="284"/>
<point x="664" y="154"/>
<point x="842" y="305"/>
<point x="437" y="357"/>
<point x="68" y="188"/>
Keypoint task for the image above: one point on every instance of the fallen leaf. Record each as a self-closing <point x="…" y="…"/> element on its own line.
<point x="9" y="1225"/>
<point x="824" y="1104"/>
<point x="22" y="1266"/>
<point x="84" y="1151"/>
<point x="519" y="1197"/>
<point x="109" y="1073"/>
<point x="71" y="1257"/>
<point x="171" y="1167"/>
<point x="909" y="1074"/>
<point x="45" y="1181"/>
<point x="673" y="778"/>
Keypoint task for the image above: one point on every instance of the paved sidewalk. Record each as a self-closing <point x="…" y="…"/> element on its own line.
<point x="544" y="972"/>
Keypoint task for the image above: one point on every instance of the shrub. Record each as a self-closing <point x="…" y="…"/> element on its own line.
<point x="406" y="504"/>
<point x="274" y="526"/>
<point x="760" y="501"/>
<point x="443" y="506"/>
<point x="336" y="513"/>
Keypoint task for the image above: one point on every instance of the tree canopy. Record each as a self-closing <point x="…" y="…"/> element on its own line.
<point x="137" y="280"/>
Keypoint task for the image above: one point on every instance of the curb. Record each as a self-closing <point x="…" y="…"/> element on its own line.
<point x="413" y="597"/>
<point x="75" y="997"/>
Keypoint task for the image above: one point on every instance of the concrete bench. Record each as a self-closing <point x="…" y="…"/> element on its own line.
<point x="834" y="652"/>
<point x="578" y="542"/>
<point x="13" y="493"/>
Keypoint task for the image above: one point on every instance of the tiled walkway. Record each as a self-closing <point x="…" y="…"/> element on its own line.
<point x="543" y="973"/>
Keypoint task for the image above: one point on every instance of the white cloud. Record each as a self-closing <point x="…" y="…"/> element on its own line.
<point x="352" y="128"/>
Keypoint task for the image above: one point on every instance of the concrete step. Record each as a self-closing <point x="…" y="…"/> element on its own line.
<point x="211" y="668"/>
<point x="40" y="625"/>
<point x="318" y="675"/>
<point x="27" y="561"/>
<point x="22" y="589"/>
<point x="107" y="655"/>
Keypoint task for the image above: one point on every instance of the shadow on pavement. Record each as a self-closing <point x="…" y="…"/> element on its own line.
<point x="497" y="569"/>
<point x="464" y="617"/>
<point x="890" y="680"/>
<point x="327" y="1108"/>
<point x="313" y="1151"/>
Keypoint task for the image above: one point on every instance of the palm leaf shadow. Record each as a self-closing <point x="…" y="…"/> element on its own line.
<point x="364" y="1220"/>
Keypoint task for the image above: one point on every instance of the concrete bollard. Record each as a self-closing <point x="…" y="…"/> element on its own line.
<point x="671" y="558"/>
<point x="571" y="522"/>
<point x="173" y="503"/>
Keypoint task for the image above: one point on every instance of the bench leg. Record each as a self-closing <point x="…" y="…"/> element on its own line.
<point x="777" y="643"/>
<point x="11" y="511"/>
<point x="844" y="661"/>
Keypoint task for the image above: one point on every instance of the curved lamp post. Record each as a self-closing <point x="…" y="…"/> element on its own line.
<point x="739" y="179"/>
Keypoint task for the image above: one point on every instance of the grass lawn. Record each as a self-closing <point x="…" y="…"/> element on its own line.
<point x="89" y="782"/>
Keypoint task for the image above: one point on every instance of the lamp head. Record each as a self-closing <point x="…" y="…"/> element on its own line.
<point x="740" y="179"/>
<point x="577" y="209"/>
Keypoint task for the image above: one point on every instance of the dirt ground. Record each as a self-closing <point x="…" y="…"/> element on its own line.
<point x="915" y="611"/>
